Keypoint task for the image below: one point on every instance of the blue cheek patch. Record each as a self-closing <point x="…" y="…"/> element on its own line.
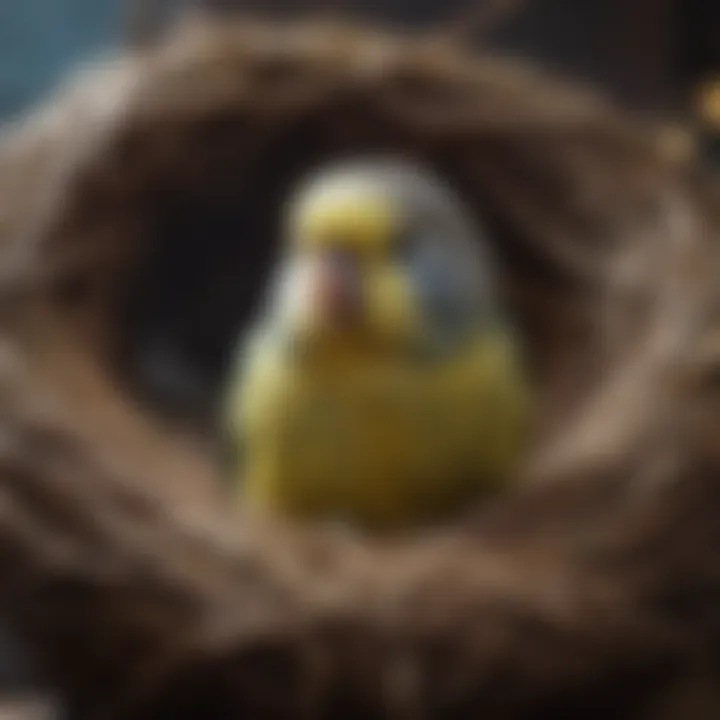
<point x="442" y="301"/>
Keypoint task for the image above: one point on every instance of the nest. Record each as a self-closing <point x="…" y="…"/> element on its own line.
<point x="138" y="212"/>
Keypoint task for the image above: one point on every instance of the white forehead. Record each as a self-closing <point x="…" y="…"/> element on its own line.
<point x="412" y="184"/>
<point x="427" y="199"/>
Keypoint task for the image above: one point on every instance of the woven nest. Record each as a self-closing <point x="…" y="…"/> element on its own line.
<point x="137" y="211"/>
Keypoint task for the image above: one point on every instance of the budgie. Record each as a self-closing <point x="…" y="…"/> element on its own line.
<point x="381" y="384"/>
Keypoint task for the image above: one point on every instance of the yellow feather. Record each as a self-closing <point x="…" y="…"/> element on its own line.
<point x="359" y="431"/>
<point x="364" y="222"/>
<point x="376" y="441"/>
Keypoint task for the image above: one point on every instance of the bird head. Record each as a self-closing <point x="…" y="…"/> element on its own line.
<point x="380" y="254"/>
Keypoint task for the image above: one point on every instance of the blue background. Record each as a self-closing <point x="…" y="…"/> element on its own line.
<point x="41" y="39"/>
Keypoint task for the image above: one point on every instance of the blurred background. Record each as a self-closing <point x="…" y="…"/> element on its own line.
<point x="656" y="56"/>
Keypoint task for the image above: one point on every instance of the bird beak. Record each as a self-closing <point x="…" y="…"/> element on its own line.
<point x="335" y="288"/>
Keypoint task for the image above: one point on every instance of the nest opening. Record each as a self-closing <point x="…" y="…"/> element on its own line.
<point x="167" y="226"/>
<point x="195" y="286"/>
<point x="178" y="203"/>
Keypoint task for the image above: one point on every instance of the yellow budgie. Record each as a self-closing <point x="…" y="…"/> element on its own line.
<point x="381" y="385"/>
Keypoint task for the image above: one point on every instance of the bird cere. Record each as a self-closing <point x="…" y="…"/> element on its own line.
<point x="381" y="384"/>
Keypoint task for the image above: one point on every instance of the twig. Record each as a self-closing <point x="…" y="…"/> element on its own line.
<point x="481" y="19"/>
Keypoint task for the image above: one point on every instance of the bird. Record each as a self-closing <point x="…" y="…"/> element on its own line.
<point x="382" y="383"/>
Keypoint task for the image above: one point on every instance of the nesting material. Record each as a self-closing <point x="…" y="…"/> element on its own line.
<point x="593" y="591"/>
